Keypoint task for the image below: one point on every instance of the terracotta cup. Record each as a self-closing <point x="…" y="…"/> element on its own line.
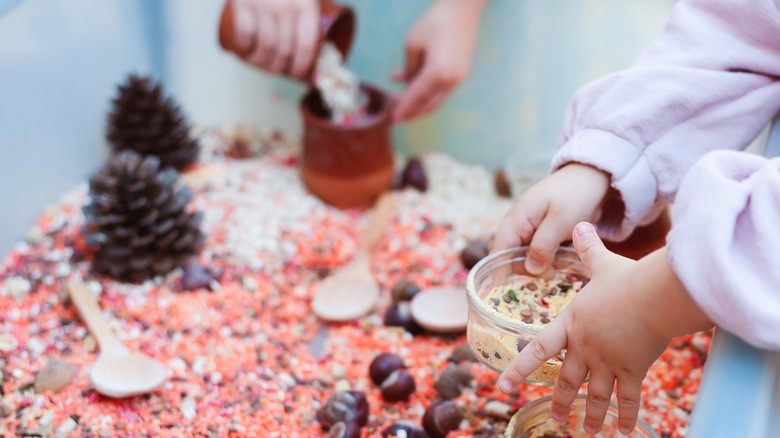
<point x="337" y="25"/>
<point x="347" y="166"/>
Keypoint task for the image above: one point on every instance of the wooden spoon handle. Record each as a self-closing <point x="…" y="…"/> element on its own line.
<point x="380" y="219"/>
<point x="87" y="305"/>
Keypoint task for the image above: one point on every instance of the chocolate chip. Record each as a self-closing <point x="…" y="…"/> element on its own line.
<point x="496" y="301"/>
<point x="521" y="344"/>
<point x="532" y="286"/>
<point x="526" y="313"/>
<point x="384" y="365"/>
<point x="442" y="418"/>
<point x="528" y="320"/>
<point x="507" y="298"/>
<point x="544" y="320"/>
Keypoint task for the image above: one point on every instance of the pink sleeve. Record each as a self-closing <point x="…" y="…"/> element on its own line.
<point x="725" y="243"/>
<point x="709" y="81"/>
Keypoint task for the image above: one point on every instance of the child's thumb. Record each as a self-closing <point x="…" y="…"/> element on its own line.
<point x="589" y="246"/>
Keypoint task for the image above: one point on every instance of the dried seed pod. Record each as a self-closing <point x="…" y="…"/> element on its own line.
<point x="400" y="315"/>
<point x="452" y="380"/>
<point x="442" y="418"/>
<point x="414" y="175"/>
<point x="474" y="252"/>
<point x="404" y="428"/>
<point x="344" y="406"/>
<point x="404" y="290"/>
<point x="384" y="365"/>
<point x="399" y="386"/>
<point x="344" y="430"/>
<point x="503" y="188"/>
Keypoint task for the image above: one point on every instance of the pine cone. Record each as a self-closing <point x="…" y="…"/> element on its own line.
<point x="145" y="121"/>
<point x="137" y="221"/>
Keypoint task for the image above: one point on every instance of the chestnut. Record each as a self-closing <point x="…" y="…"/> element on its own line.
<point x="344" y="430"/>
<point x="399" y="386"/>
<point x="404" y="428"/>
<point x="400" y="315"/>
<point x="414" y="175"/>
<point x="475" y="251"/>
<point x="404" y="290"/>
<point x="452" y="380"/>
<point x="441" y="419"/>
<point x="461" y="353"/>
<point x="346" y="407"/>
<point x="384" y="365"/>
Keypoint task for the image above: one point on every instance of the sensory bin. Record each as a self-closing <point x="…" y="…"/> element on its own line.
<point x="245" y="355"/>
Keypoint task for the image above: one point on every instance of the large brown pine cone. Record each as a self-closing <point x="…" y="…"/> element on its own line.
<point x="145" y="121"/>
<point x="137" y="220"/>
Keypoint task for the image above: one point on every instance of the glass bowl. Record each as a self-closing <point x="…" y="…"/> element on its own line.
<point x="534" y="421"/>
<point x="499" y="283"/>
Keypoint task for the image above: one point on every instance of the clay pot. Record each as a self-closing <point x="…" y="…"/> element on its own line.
<point x="337" y="25"/>
<point x="347" y="166"/>
<point x="643" y="240"/>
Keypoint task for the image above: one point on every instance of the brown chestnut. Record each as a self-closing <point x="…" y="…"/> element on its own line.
<point x="400" y="315"/>
<point x="404" y="290"/>
<point x="346" y="407"/>
<point x="414" y="175"/>
<point x="344" y="430"/>
<point x="404" y="428"/>
<point x="442" y="418"/>
<point x="475" y="251"/>
<point x="462" y="352"/>
<point x="399" y="386"/>
<point x="384" y="365"/>
<point x="503" y="188"/>
<point x="452" y="380"/>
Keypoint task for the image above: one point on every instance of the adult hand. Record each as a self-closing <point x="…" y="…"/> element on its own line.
<point x="544" y="215"/>
<point x="439" y="50"/>
<point x="280" y="36"/>
<point x="614" y="329"/>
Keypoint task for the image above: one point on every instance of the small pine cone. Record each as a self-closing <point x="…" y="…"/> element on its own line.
<point x="145" y="121"/>
<point x="137" y="220"/>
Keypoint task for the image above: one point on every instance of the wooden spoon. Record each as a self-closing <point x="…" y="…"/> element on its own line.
<point x="351" y="291"/>
<point x="117" y="372"/>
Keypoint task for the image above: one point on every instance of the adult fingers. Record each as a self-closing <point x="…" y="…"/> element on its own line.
<point x="545" y="345"/>
<point x="264" y="50"/>
<point x="306" y="29"/>
<point x="245" y="29"/>
<point x="285" y="42"/>
<point x="422" y="88"/>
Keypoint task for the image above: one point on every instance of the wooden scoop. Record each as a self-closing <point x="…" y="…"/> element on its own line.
<point x="351" y="291"/>
<point x="117" y="372"/>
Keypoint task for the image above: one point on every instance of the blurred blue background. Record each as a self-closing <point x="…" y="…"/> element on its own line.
<point x="60" y="62"/>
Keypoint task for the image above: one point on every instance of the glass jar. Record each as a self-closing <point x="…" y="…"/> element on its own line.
<point x="534" y="421"/>
<point x="496" y="338"/>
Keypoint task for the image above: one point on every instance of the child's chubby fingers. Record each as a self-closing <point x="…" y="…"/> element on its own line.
<point x="567" y="386"/>
<point x="518" y="226"/>
<point x="600" y="387"/>
<point x="629" y="390"/>
<point x="547" y="344"/>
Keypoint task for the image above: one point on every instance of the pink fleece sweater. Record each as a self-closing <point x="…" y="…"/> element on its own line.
<point x="710" y="81"/>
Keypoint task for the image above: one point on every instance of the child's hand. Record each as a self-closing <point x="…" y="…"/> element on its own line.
<point x="439" y="50"/>
<point x="281" y="35"/>
<point x="614" y="329"/>
<point x="544" y="215"/>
